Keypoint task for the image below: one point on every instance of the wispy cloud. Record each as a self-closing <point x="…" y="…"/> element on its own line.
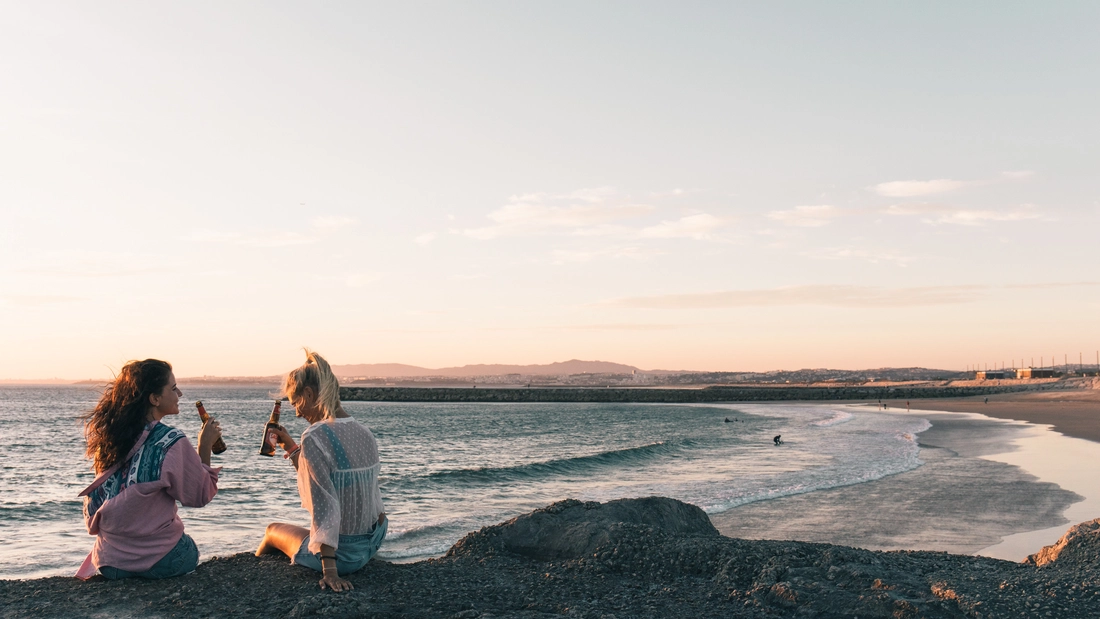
<point x="1050" y="285"/>
<point x="36" y="300"/>
<point x="831" y="295"/>
<point x="541" y="213"/>
<point x="908" y="189"/>
<point x="946" y="214"/>
<point x="91" y="264"/>
<point x="565" y="256"/>
<point x="332" y="222"/>
<point x="911" y="189"/>
<point x="857" y="253"/>
<point x="617" y="327"/>
<point x="673" y="193"/>
<point x="601" y="212"/>
<point x="837" y="296"/>
<point x="810" y="216"/>
<point x="351" y="279"/>
<point x="274" y="239"/>
<point x="699" y="226"/>
<point x="425" y="239"/>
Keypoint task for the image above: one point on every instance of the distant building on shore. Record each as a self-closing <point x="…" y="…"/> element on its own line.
<point x="1034" y="373"/>
<point x="989" y="374"/>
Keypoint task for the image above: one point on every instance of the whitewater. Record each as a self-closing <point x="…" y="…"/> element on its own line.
<point x="449" y="468"/>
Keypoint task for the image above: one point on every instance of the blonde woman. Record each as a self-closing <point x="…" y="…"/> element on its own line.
<point x="337" y="463"/>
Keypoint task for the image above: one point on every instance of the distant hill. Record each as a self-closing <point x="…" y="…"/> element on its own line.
<point x="561" y="368"/>
<point x="581" y="373"/>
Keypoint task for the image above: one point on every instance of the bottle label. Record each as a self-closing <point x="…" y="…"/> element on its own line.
<point x="272" y="438"/>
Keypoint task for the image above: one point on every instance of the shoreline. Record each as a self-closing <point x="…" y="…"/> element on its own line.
<point x="999" y="485"/>
<point x="963" y="499"/>
<point x="1073" y="413"/>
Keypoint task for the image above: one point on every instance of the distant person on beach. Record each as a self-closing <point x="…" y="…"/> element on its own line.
<point x="143" y="467"/>
<point x="337" y="462"/>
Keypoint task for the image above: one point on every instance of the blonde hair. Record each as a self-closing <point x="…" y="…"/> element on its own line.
<point x="316" y="374"/>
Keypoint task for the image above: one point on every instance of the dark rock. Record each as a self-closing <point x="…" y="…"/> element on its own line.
<point x="1080" y="545"/>
<point x="631" y="558"/>
<point x="570" y="529"/>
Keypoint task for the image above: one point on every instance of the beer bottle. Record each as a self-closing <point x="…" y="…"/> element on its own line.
<point x="271" y="438"/>
<point x="219" y="445"/>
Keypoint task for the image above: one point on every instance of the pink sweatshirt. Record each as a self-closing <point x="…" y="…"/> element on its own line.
<point x="138" y="527"/>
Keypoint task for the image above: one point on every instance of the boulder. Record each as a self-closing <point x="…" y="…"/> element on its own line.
<point x="570" y="529"/>
<point x="1080" y="546"/>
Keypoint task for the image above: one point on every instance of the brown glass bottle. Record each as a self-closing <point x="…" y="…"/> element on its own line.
<point x="271" y="438"/>
<point x="219" y="445"/>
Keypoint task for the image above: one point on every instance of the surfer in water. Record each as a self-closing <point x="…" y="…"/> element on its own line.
<point x="777" y="439"/>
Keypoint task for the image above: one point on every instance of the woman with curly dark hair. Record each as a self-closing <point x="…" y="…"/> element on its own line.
<point x="143" y="467"/>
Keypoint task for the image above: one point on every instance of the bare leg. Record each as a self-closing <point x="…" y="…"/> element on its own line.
<point x="282" y="537"/>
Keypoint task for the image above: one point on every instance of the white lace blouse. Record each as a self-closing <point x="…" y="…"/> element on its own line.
<point x="339" y="483"/>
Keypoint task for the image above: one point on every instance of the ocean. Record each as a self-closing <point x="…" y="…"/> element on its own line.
<point x="447" y="468"/>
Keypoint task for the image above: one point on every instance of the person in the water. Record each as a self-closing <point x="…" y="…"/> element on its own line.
<point x="777" y="439"/>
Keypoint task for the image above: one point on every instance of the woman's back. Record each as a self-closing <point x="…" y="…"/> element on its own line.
<point x="338" y="476"/>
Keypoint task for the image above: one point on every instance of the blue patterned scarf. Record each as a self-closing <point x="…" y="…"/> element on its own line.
<point x="143" y="466"/>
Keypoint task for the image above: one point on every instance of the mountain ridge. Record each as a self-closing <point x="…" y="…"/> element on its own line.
<point x="558" y="368"/>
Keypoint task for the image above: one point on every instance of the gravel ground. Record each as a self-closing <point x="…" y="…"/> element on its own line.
<point x="652" y="557"/>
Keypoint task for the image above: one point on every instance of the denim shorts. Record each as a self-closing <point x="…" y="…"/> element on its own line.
<point x="182" y="559"/>
<point x="352" y="553"/>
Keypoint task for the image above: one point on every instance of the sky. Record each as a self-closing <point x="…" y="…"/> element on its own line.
<point x="671" y="185"/>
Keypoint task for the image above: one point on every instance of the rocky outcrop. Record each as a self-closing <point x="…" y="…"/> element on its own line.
<point x="1079" y="546"/>
<point x="631" y="558"/>
<point x="571" y="529"/>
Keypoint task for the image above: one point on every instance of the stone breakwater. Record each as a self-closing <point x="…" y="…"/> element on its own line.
<point x="653" y="557"/>
<point x="671" y="396"/>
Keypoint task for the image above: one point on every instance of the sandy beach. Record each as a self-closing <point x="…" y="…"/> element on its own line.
<point x="986" y="487"/>
<point x="1073" y="413"/>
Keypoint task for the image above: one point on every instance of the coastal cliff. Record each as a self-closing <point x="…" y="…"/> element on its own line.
<point x="652" y="557"/>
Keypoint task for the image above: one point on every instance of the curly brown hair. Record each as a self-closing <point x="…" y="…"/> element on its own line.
<point x="116" y="422"/>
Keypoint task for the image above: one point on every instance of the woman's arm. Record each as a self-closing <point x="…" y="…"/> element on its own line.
<point x="331" y="577"/>
<point x="319" y="496"/>
<point x="190" y="481"/>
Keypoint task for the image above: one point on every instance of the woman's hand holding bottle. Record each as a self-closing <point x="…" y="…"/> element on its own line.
<point x="210" y="433"/>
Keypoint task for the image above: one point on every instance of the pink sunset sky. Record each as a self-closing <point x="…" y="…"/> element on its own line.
<point x="714" y="186"/>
